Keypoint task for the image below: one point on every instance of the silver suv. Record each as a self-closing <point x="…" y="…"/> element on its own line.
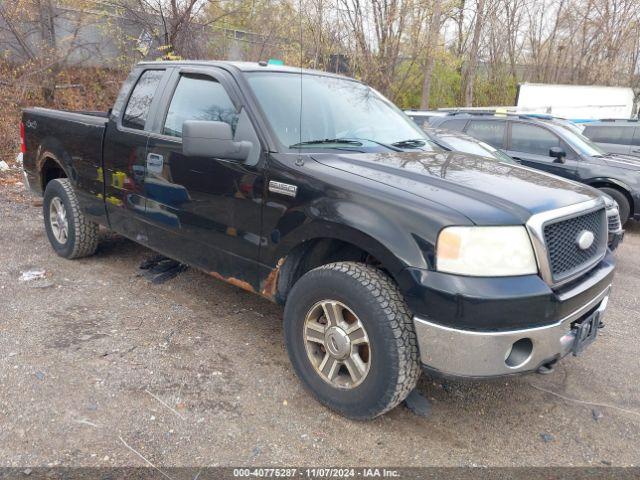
<point x="615" y="136"/>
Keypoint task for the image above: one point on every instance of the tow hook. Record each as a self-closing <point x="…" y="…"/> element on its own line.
<point x="547" y="368"/>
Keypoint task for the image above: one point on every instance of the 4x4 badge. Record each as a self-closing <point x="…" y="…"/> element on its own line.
<point x="283" y="188"/>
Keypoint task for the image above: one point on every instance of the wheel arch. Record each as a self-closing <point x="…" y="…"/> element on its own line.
<point x="50" y="162"/>
<point x="328" y="243"/>
<point x="623" y="188"/>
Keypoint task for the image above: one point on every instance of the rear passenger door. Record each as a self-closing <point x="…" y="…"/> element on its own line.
<point x="204" y="211"/>
<point x="124" y="150"/>
<point x="530" y="144"/>
<point x="612" y="138"/>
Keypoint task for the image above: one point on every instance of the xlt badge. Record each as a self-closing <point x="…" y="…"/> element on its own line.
<point x="283" y="188"/>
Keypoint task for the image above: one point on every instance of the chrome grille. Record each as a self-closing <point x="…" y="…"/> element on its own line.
<point x="613" y="220"/>
<point x="566" y="258"/>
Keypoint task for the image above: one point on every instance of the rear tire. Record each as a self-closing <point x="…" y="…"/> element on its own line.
<point x="378" y="366"/>
<point x="622" y="201"/>
<point x="70" y="233"/>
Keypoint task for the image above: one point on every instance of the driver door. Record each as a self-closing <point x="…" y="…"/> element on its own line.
<point x="203" y="211"/>
<point x="530" y="144"/>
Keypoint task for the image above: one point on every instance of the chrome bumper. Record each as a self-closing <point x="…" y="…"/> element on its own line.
<point x="469" y="353"/>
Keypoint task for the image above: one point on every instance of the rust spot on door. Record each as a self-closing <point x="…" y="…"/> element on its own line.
<point x="270" y="287"/>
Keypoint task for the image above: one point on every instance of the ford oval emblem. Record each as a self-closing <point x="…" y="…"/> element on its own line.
<point x="585" y="239"/>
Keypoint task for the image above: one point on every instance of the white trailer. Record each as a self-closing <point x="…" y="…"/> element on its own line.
<point x="575" y="102"/>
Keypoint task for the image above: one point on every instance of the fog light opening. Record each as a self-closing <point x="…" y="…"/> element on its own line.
<point x="519" y="353"/>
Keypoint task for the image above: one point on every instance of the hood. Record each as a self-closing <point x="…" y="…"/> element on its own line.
<point x="628" y="162"/>
<point x="486" y="191"/>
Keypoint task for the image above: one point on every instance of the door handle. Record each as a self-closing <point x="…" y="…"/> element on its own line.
<point x="155" y="162"/>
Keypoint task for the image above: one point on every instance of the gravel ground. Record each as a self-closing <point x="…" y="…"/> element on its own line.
<point x="96" y="361"/>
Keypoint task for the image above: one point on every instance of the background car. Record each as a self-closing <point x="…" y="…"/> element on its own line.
<point x="452" y="140"/>
<point x="549" y="144"/>
<point x="422" y="117"/>
<point x="615" y="136"/>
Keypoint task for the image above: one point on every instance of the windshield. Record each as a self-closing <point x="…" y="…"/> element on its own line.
<point x="336" y="113"/>
<point x="582" y="144"/>
<point x="476" y="148"/>
<point x="571" y="125"/>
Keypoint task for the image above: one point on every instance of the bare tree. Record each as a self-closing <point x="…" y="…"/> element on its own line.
<point x="177" y="27"/>
<point x="322" y="40"/>
<point x="29" y="29"/>
<point x="432" y="45"/>
<point x="469" y="69"/>
<point x="583" y="41"/>
<point x="513" y="21"/>
<point x="459" y="18"/>
<point x="378" y="28"/>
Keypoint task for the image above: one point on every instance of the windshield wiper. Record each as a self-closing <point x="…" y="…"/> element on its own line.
<point x="410" y="143"/>
<point x="356" y="142"/>
<point x="382" y="144"/>
<point x="340" y="141"/>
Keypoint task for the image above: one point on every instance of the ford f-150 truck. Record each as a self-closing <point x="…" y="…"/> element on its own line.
<point x="317" y="193"/>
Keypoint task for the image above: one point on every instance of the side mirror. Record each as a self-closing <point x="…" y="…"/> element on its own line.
<point x="204" y="138"/>
<point x="558" y="153"/>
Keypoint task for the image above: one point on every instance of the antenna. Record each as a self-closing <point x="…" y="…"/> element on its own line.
<point x="299" y="161"/>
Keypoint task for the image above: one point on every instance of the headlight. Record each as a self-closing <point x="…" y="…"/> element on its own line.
<point x="485" y="251"/>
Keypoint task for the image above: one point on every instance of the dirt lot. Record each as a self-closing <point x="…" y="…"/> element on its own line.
<point x="96" y="361"/>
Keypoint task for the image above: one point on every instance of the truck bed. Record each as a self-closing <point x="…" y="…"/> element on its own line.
<point x="73" y="140"/>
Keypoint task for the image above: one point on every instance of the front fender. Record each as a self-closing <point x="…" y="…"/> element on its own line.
<point x="379" y="234"/>
<point x="613" y="181"/>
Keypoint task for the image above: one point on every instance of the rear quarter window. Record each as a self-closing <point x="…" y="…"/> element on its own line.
<point x="137" y="110"/>
<point x="620" y="135"/>
<point x="491" y="132"/>
<point x="457" y="124"/>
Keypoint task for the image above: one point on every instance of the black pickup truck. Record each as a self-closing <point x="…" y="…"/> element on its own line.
<point x="317" y="193"/>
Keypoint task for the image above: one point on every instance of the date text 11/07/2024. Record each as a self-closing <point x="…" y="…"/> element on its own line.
<point x="318" y="472"/>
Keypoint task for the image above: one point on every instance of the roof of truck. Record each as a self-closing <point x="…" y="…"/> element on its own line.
<point x="245" y="66"/>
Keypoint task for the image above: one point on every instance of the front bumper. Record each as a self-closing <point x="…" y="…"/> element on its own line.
<point x="615" y="239"/>
<point x="468" y="353"/>
<point x="616" y="233"/>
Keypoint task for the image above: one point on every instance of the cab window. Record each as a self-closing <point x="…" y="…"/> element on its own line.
<point x="199" y="98"/>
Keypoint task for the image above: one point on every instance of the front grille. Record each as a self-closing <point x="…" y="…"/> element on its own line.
<point x="566" y="258"/>
<point x="613" y="219"/>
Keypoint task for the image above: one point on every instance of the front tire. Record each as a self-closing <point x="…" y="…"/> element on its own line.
<point x="351" y="340"/>
<point x="70" y="233"/>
